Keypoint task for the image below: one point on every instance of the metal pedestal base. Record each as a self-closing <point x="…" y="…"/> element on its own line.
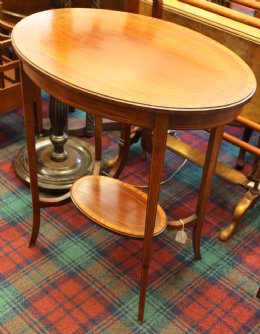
<point x="57" y="175"/>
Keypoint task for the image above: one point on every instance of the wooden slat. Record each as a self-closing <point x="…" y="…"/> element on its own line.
<point x="248" y="3"/>
<point x="247" y="122"/>
<point x="242" y="144"/>
<point x="8" y="102"/>
<point x="198" y="158"/>
<point x="9" y="66"/>
<point x="226" y="12"/>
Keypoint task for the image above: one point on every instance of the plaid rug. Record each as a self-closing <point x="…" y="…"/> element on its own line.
<point x="81" y="278"/>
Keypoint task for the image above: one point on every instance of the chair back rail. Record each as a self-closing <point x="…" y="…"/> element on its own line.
<point x="228" y="12"/>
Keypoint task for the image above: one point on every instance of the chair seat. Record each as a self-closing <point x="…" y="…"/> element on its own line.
<point x="115" y="205"/>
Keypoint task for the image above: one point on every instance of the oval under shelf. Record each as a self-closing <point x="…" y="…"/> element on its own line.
<point x="115" y="205"/>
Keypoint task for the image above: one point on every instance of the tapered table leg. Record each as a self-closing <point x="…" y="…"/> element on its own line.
<point x="159" y="144"/>
<point x="206" y="181"/>
<point x="29" y="121"/>
<point x="119" y="162"/>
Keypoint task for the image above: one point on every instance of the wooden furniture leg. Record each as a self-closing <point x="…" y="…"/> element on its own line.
<point x="207" y="176"/>
<point x="246" y="202"/>
<point x="159" y="144"/>
<point x="124" y="145"/>
<point x="29" y="121"/>
<point x="30" y="91"/>
<point x="241" y="208"/>
<point x="98" y="146"/>
<point x="241" y="156"/>
<point x="253" y="175"/>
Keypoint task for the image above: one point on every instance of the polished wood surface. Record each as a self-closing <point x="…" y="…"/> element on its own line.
<point x="197" y="77"/>
<point x="97" y="60"/>
<point x="115" y="205"/>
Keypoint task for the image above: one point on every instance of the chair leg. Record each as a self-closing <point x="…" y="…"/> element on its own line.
<point x="241" y="208"/>
<point x="246" y="202"/>
<point x="124" y="147"/>
<point x="241" y="156"/>
<point x="252" y="176"/>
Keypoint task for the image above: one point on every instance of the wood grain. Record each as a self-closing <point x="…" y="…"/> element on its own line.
<point x="115" y="205"/>
<point x="183" y="70"/>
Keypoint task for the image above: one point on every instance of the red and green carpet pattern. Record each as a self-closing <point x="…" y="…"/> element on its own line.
<point x="82" y="279"/>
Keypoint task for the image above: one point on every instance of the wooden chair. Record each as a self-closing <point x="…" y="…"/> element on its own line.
<point x="10" y="84"/>
<point x="11" y="12"/>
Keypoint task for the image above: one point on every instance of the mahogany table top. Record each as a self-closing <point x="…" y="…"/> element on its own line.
<point x="134" y="60"/>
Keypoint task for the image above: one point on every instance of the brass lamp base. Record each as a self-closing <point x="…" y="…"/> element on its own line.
<point x="57" y="175"/>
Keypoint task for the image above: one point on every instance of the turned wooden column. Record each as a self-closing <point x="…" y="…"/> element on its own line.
<point x="58" y="112"/>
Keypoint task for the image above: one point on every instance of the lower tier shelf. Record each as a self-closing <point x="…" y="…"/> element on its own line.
<point x="115" y="205"/>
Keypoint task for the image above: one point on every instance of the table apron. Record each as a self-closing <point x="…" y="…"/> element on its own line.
<point x="128" y="114"/>
<point x="88" y="102"/>
<point x="207" y="120"/>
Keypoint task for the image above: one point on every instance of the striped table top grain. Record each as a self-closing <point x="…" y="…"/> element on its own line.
<point x="115" y="205"/>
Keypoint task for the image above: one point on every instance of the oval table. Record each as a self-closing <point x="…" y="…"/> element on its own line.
<point x="136" y="70"/>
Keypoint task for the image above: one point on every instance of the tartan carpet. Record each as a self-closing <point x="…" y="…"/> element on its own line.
<point x="81" y="278"/>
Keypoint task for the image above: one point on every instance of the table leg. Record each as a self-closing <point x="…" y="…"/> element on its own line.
<point x="98" y="146"/>
<point x="205" y="186"/>
<point x="29" y="121"/>
<point x="119" y="162"/>
<point x="159" y="144"/>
